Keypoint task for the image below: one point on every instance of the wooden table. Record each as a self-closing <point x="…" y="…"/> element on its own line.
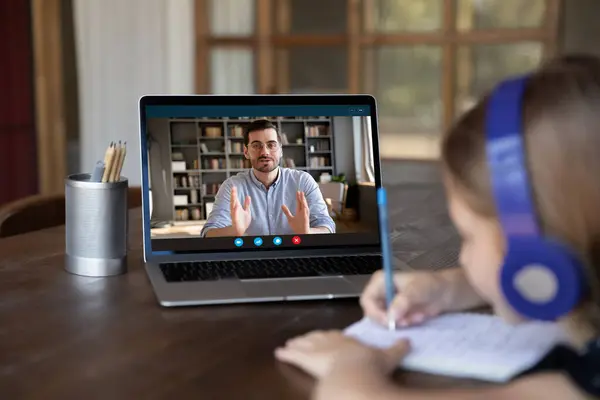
<point x="70" y="337"/>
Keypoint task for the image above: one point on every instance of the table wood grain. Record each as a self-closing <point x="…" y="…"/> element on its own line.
<point x="71" y="337"/>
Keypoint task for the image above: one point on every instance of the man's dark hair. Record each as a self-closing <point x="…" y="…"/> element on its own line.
<point x="259" y="125"/>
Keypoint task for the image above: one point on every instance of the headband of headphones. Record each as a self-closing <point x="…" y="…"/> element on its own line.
<point x="540" y="278"/>
<point x="507" y="160"/>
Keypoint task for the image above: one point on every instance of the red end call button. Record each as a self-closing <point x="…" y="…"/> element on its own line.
<point x="296" y="240"/>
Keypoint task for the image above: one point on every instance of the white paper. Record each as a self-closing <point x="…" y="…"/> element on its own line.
<point x="466" y="345"/>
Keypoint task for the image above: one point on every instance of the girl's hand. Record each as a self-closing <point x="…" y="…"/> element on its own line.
<point x="420" y="296"/>
<point x="319" y="352"/>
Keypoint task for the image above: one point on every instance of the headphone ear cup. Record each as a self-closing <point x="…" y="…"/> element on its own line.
<point x="541" y="279"/>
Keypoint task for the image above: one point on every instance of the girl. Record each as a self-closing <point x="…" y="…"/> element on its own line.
<point x="561" y="136"/>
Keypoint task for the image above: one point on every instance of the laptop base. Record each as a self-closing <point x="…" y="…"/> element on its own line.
<point x="231" y="291"/>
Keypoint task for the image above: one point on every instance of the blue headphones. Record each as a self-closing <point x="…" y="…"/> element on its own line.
<point x="540" y="278"/>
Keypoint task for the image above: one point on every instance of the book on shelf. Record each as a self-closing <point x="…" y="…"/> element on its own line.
<point x="236" y="131"/>
<point x="209" y="189"/>
<point x="194" y="196"/>
<point x="187" y="181"/>
<point x="182" y="214"/>
<point x="316" y="130"/>
<point x="188" y="214"/>
<point x="215" y="163"/>
<point x="316" y="162"/>
<point x="213" y="132"/>
<point x="236" y="147"/>
<point x="319" y="145"/>
<point x="239" y="164"/>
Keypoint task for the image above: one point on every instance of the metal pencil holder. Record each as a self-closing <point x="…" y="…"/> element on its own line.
<point x="96" y="226"/>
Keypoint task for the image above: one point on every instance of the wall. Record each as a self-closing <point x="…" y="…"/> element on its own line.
<point x="343" y="137"/>
<point x="160" y="169"/>
<point x="126" y="49"/>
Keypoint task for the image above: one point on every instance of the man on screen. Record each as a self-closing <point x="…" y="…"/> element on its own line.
<point x="267" y="199"/>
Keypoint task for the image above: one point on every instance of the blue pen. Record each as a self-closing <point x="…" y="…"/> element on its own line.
<point x="386" y="252"/>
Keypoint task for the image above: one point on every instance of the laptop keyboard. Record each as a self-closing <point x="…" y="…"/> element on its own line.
<point x="270" y="268"/>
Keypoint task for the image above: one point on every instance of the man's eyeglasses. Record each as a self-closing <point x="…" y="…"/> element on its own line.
<point x="271" y="146"/>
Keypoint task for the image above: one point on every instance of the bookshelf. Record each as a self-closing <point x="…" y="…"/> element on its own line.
<point x="205" y="152"/>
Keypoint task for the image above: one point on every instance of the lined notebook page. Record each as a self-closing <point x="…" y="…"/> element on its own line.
<point x="466" y="345"/>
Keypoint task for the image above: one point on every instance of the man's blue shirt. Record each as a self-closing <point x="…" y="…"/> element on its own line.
<point x="267" y="216"/>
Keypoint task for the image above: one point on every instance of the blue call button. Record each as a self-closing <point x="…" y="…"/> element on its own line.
<point x="277" y="241"/>
<point x="258" y="241"/>
<point x="238" y="242"/>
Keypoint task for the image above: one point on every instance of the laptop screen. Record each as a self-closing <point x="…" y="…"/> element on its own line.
<point x="259" y="177"/>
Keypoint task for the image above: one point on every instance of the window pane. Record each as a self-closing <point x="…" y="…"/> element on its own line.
<point x="318" y="70"/>
<point x="231" y="17"/>
<point x="315" y="17"/>
<point x="407" y="85"/>
<point x="232" y="71"/>
<point x="494" y="14"/>
<point x="480" y="67"/>
<point x="405" y="15"/>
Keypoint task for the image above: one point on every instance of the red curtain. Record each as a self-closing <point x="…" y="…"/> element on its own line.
<point x="18" y="160"/>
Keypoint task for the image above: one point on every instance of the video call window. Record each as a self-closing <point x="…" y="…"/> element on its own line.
<point x="194" y="165"/>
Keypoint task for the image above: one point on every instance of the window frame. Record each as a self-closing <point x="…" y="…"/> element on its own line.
<point x="269" y="42"/>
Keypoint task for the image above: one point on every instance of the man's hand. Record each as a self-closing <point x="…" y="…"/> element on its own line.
<point x="300" y="223"/>
<point x="240" y="216"/>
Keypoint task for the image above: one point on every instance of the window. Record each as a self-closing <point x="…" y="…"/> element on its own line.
<point x="426" y="61"/>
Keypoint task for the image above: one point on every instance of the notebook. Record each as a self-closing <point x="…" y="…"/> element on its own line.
<point x="466" y="345"/>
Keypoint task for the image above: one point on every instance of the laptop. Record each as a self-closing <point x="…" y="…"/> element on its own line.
<point x="195" y="148"/>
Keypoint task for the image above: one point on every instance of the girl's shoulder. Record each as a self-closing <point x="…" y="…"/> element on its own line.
<point x="580" y="369"/>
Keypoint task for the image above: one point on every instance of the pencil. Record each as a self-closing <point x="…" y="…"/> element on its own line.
<point x="108" y="161"/>
<point x="386" y="252"/>
<point x="122" y="154"/>
<point x="115" y="163"/>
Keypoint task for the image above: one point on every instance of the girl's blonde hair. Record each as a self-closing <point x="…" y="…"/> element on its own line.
<point x="561" y="128"/>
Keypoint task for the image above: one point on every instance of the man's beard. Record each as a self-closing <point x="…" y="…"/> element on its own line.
<point x="260" y="165"/>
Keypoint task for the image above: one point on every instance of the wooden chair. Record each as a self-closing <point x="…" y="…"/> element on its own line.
<point x="44" y="211"/>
